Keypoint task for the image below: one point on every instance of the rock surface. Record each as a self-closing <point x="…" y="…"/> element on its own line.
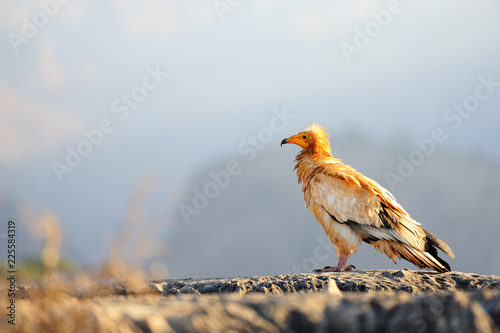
<point x="358" y="281"/>
<point x="361" y="301"/>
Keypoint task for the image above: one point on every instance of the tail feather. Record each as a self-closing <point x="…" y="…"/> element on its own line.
<point x="428" y="259"/>
<point x="391" y="243"/>
<point x="433" y="240"/>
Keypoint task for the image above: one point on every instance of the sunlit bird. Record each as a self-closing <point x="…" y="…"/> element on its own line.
<point x="354" y="208"/>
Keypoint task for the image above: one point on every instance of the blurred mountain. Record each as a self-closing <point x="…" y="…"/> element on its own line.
<point x="258" y="223"/>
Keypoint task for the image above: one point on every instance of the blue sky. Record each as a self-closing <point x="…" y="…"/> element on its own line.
<point x="227" y="72"/>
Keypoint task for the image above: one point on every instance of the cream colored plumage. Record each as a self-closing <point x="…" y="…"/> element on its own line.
<point x="353" y="208"/>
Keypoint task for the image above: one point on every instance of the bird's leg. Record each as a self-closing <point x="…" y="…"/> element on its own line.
<point x="341" y="267"/>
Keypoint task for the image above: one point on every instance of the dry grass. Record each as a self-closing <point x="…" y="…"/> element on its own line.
<point x="58" y="303"/>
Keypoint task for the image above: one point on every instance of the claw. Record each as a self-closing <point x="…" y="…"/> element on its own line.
<point x="335" y="269"/>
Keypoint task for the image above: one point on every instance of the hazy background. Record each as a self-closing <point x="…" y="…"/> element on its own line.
<point x="230" y="68"/>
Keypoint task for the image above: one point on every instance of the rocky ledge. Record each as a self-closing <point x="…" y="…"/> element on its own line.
<point x="357" y="281"/>
<point x="360" y="301"/>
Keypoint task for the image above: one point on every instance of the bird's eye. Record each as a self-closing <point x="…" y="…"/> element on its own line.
<point x="304" y="137"/>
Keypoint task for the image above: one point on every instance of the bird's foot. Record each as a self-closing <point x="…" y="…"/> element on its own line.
<point x="339" y="268"/>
